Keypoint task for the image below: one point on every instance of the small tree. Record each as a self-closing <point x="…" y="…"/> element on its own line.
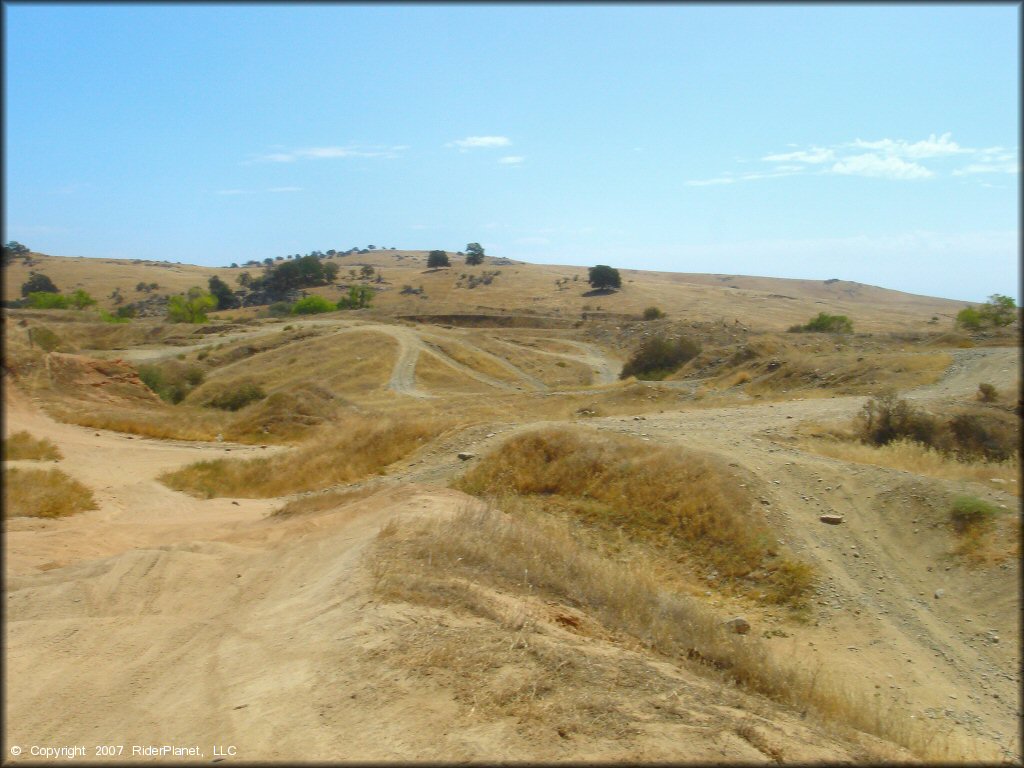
<point x="999" y="309"/>
<point x="38" y="283"/>
<point x="190" y="308"/>
<point x="603" y="277"/>
<point x="474" y="254"/>
<point x="366" y="271"/>
<point x="14" y="250"/>
<point x="359" y="296"/>
<point x="222" y="292"/>
<point x="437" y="259"/>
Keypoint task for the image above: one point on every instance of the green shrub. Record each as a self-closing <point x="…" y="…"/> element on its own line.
<point x="312" y="305"/>
<point x="279" y="309"/>
<point x="987" y="393"/>
<point x="190" y="308"/>
<point x="80" y="299"/>
<point x="359" y="296"/>
<point x="970" y="513"/>
<point x="825" y="323"/>
<point x="46" y="300"/>
<point x="969" y="318"/>
<point x="653" y="313"/>
<point x="658" y="356"/>
<point x="235" y="399"/>
<point x="106" y="317"/>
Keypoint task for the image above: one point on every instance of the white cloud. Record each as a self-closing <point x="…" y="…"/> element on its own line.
<point x="257" y="191"/>
<point x="876" y="166"/>
<point x="1006" y="167"/>
<point x="512" y="160"/>
<point x="896" y="159"/>
<point x="814" y="155"/>
<point x="480" y="142"/>
<point x="709" y="182"/>
<point x="321" y="153"/>
<point x="919" y="150"/>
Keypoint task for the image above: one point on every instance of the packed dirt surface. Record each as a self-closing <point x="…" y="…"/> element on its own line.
<point x="163" y="619"/>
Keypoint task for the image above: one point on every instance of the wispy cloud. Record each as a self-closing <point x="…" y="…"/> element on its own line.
<point x="881" y="167"/>
<point x="813" y="155"/>
<point x="271" y="190"/>
<point x="895" y="159"/>
<point x="480" y="142"/>
<point x="325" y="153"/>
<point x="512" y="160"/>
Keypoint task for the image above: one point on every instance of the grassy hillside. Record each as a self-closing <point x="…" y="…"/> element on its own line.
<point x="501" y="286"/>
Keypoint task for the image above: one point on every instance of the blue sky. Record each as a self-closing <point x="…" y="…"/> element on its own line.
<point x="863" y="142"/>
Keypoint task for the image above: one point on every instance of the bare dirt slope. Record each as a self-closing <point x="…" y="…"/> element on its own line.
<point x="159" y="618"/>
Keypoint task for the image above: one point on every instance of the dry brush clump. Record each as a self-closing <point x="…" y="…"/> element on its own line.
<point x="21" y="445"/>
<point x="44" y="493"/>
<point x="480" y="560"/>
<point x="677" y="502"/>
<point x="970" y="434"/>
<point x="349" y="449"/>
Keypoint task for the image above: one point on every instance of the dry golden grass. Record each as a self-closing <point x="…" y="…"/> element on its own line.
<point x="349" y="364"/>
<point x="21" y="445"/>
<point x="531" y="288"/>
<point x="679" y="503"/>
<point x="433" y="375"/>
<point x="161" y="421"/>
<point x="471" y="358"/>
<point x="43" y="493"/>
<point x="914" y="457"/>
<point x="848" y="372"/>
<point x="346" y="450"/>
<point x="467" y="561"/>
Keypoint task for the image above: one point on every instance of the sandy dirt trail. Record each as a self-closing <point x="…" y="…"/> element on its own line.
<point x="165" y="619"/>
<point x="877" y="615"/>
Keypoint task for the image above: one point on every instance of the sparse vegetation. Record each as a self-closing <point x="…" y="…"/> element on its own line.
<point x="677" y="503"/>
<point x="21" y="445"/>
<point x="171" y="380"/>
<point x="998" y="311"/>
<point x="359" y="296"/>
<point x="987" y="393"/>
<point x="825" y="323"/>
<point x="237" y="397"/>
<point x="653" y="313"/>
<point x="658" y="356"/>
<point x="43" y="493"/>
<point x="968" y="435"/>
<point x="351" y="448"/>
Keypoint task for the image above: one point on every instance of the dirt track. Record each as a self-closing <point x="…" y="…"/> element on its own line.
<point x="160" y="618"/>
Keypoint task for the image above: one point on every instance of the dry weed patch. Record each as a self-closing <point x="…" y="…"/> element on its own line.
<point x="44" y="493"/>
<point x="347" y="450"/>
<point x="466" y="561"/>
<point x="679" y="503"/>
<point x="920" y="459"/>
<point x="21" y="445"/>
